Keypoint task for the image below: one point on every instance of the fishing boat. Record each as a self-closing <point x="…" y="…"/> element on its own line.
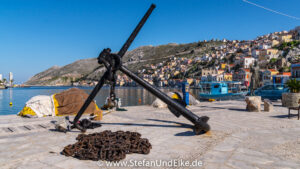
<point x="227" y="90"/>
<point x="3" y="87"/>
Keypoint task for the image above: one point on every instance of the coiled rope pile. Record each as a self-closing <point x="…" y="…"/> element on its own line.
<point x="107" y="145"/>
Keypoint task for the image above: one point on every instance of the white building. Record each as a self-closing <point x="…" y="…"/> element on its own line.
<point x="265" y="46"/>
<point x="11" y="78"/>
<point x="212" y="78"/>
<point x="205" y="57"/>
<point x="255" y="53"/>
<point x="248" y="61"/>
<point x="1" y="77"/>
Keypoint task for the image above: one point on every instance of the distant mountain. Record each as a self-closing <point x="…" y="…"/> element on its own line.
<point x="89" y="69"/>
<point x="64" y="75"/>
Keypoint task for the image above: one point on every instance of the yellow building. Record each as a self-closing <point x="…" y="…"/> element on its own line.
<point x="267" y="75"/>
<point x="223" y="66"/>
<point x="272" y="51"/>
<point x="245" y="47"/>
<point x="273" y="71"/>
<point x="286" y="38"/>
<point x="220" y="71"/>
<point x="227" y="76"/>
<point x="275" y="42"/>
<point x="190" y="80"/>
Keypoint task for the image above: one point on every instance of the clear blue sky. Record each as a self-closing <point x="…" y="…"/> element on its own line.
<point x="37" y="34"/>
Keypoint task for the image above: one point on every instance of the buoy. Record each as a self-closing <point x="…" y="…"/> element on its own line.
<point x="211" y="100"/>
<point x="10" y="103"/>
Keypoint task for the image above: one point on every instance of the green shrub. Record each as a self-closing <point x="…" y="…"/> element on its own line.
<point x="293" y="85"/>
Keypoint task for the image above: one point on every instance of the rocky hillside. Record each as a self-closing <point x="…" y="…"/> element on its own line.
<point x="64" y="75"/>
<point x="89" y="69"/>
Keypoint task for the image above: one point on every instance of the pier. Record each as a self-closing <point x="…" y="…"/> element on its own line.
<point x="238" y="139"/>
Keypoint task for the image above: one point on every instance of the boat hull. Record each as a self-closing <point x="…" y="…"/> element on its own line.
<point x="226" y="96"/>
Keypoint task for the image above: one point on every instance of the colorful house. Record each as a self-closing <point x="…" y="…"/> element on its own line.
<point x="220" y="71"/>
<point x="272" y="51"/>
<point x="248" y="61"/>
<point x="281" y="78"/>
<point x="267" y="76"/>
<point x="295" y="71"/>
<point x="286" y="38"/>
<point x="223" y="66"/>
<point x="227" y="76"/>
<point x="190" y="80"/>
<point x="275" y="42"/>
<point x="243" y="75"/>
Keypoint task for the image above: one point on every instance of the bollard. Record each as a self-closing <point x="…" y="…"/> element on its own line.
<point x="185" y="92"/>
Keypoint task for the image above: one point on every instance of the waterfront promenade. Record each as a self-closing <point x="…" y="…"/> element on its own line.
<point x="238" y="139"/>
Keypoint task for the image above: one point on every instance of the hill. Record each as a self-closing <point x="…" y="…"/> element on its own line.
<point x="90" y="70"/>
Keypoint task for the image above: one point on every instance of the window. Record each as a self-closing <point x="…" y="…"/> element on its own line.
<point x="279" y="87"/>
<point x="268" y="87"/>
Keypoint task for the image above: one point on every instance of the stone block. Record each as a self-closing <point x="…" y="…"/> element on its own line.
<point x="253" y="103"/>
<point x="268" y="106"/>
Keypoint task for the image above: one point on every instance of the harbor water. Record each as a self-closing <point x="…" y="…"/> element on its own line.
<point x="130" y="96"/>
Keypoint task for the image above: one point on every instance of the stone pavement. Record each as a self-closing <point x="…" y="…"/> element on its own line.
<point x="238" y="139"/>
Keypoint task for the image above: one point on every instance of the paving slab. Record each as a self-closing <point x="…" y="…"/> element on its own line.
<point x="238" y="139"/>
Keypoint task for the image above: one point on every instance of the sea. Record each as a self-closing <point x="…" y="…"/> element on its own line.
<point x="130" y="96"/>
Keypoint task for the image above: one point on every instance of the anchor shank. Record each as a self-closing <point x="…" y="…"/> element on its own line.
<point x="135" y="32"/>
<point x="161" y="95"/>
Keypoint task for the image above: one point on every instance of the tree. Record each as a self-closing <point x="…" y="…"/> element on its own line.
<point x="236" y="67"/>
<point x="155" y="80"/>
<point x="232" y="58"/>
<point x="273" y="60"/>
<point x="286" y="69"/>
<point x="272" y="63"/>
<point x="225" y="60"/>
<point x="239" y="50"/>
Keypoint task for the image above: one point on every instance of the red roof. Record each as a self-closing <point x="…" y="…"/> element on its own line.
<point x="272" y="70"/>
<point x="285" y="73"/>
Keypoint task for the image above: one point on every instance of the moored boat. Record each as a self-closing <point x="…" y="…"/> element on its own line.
<point x="226" y="90"/>
<point x="3" y="87"/>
